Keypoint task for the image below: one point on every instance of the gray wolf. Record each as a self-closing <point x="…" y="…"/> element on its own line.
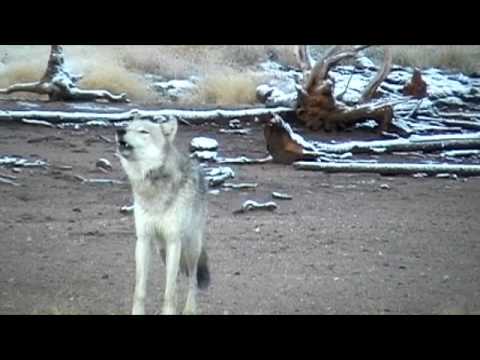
<point x="170" y="208"/>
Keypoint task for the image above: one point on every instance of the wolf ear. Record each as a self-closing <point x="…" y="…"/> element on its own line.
<point x="169" y="129"/>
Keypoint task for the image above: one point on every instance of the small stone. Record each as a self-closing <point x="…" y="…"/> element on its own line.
<point x="420" y="175"/>
<point x="16" y="170"/>
<point x="204" y="155"/>
<point x="236" y="273"/>
<point x="105" y="276"/>
<point x="385" y="187"/>
<point x="446" y="278"/>
<point x="234" y="124"/>
<point x="203" y="143"/>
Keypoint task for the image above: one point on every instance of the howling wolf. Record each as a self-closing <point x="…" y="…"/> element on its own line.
<point x="170" y="207"/>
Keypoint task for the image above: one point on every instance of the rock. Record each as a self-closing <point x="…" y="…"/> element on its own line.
<point x="175" y="89"/>
<point x="263" y="92"/>
<point x="234" y="124"/>
<point x="203" y="144"/>
<point x="205" y="155"/>
<point x="217" y="176"/>
<point x="364" y="62"/>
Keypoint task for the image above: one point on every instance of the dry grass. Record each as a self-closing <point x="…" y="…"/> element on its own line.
<point x="462" y="58"/>
<point x="224" y="67"/>
<point x="182" y="61"/>
<point x="22" y="71"/>
<point x="115" y="79"/>
<point x="227" y="87"/>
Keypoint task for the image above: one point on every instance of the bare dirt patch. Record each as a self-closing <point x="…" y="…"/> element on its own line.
<point x="345" y="244"/>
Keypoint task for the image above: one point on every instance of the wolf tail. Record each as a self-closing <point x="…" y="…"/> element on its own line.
<point x="203" y="271"/>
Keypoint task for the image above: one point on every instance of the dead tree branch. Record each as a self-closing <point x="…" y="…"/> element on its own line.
<point x="317" y="107"/>
<point x="60" y="85"/>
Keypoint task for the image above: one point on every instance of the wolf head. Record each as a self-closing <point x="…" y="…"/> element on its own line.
<point x="144" y="145"/>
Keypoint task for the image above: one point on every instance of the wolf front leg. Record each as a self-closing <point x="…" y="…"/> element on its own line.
<point x="174" y="250"/>
<point x="142" y="264"/>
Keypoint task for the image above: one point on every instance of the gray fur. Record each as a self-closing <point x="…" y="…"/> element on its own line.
<point x="170" y="194"/>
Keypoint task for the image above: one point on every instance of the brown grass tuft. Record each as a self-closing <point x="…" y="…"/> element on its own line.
<point x="227" y="87"/>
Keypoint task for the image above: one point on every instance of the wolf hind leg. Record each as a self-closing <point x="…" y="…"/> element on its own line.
<point x="191" y="257"/>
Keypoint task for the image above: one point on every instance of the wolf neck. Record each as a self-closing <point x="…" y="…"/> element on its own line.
<point x="157" y="179"/>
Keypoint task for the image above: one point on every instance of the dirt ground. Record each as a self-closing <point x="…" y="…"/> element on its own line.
<point x="343" y="245"/>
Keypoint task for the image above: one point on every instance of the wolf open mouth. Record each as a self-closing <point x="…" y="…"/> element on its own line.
<point x="124" y="148"/>
<point x="123" y="145"/>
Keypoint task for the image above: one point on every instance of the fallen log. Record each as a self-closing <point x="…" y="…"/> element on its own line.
<point x="287" y="147"/>
<point x="468" y="115"/>
<point x="460" y="153"/>
<point x="413" y="143"/>
<point x="192" y="116"/>
<point x="464" y="124"/>
<point x="390" y="168"/>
